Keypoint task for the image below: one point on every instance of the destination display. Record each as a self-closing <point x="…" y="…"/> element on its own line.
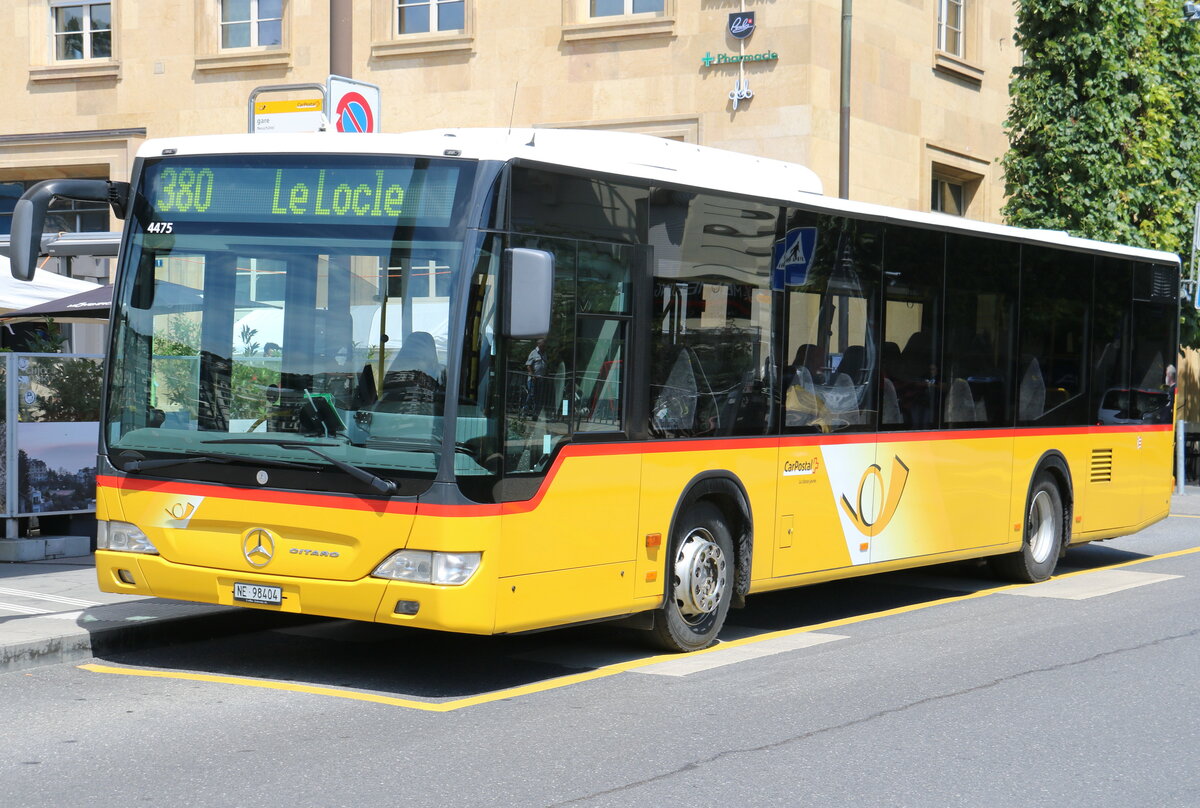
<point x="399" y="192"/>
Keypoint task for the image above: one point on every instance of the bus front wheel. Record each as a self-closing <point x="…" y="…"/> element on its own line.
<point x="1043" y="541"/>
<point x="700" y="576"/>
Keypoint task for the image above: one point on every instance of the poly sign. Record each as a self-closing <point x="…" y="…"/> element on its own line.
<point x="354" y="105"/>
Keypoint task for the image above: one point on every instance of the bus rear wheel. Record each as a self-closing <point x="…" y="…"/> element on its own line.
<point x="700" y="575"/>
<point x="1043" y="541"/>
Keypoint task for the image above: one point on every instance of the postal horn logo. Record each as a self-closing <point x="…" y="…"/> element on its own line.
<point x="258" y="547"/>
<point x="178" y="514"/>
<point x="873" y="477"/>
<point x="181" y="511"/>
<point x="741" y="24"/>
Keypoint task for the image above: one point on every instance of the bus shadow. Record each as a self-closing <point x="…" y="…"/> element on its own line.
<point x="424" y="665"/>
<point x="394" y="661"/>
<point x="871" y="594"/>
<point x="1095" y="556"/>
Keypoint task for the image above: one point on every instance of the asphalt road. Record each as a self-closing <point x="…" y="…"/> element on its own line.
<point x="933" y="688"/>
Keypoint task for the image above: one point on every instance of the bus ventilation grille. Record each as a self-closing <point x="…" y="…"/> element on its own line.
<point x="1164" y="286"/>
<point x="1161" y="283"/>
<point x="1102" y="465"/>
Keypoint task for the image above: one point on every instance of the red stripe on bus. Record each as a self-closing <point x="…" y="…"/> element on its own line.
<point x="970" y="434"/>
<point x="343" y="501"/>
<point x="577" y="450"/>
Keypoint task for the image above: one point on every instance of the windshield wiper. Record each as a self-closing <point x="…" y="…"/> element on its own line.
<point x="432" y="447"/>
<point x="362" y="475"/>
<point x="140" y="464"/>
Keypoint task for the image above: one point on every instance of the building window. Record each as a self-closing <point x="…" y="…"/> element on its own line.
<point x="429" y="16"/>
<point x="947" y="196"/>
<point x="613" y="8"/>
<point x="251" y="23"/>
<point x="64" y="215"/>
<point x="82" y="31"/>
<point x="594" y="20"/>
<point x="950" y="26"/>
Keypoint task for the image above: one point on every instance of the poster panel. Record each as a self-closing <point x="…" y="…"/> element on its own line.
<point x="57" y="432"/>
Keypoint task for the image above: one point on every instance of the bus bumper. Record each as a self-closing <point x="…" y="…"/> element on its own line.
<point x="469" y="608"/>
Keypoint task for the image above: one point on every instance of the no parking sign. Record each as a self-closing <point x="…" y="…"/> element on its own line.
<point x="354" y="114"/>
<point x="355" y="105"/>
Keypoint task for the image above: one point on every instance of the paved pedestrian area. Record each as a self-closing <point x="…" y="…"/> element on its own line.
<point x="53" y="611"/>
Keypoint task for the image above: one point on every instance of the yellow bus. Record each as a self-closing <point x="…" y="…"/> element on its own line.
<point x="494" y="381"/>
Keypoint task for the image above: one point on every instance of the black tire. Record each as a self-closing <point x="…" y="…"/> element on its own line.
<point x="1043" y="540"/>
<point x="700" y="580"/>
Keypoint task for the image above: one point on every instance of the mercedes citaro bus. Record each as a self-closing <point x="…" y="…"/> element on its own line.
<point x="494" y="381"/>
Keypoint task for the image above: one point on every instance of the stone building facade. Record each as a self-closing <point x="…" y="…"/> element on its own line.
<point x="86" y="82"/>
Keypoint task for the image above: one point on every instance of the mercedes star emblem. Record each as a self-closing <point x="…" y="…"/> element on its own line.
<point x="258" y="547"/>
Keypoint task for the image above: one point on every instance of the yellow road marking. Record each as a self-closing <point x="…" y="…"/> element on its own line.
<point x="1187" y="515"/>
<point x="598" y="673"/>
<point x="434" y="707"/>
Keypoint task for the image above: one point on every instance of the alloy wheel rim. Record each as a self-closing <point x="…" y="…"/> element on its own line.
<point x="701" y="575"/>
<point x="1041" y="527"/>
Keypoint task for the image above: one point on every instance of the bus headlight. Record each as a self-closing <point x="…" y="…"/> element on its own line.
<point x="425" y="567"/>
<point x="123" y="537"/>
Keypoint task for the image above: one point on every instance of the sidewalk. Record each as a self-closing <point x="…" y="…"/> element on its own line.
<point x="52" y="611"/>
<point x="1188" y="502"/>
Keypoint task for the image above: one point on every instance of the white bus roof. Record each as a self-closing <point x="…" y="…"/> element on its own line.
<point x="625" y="154"/>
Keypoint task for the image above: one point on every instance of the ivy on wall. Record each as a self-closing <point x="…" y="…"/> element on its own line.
<point x="1104" y="124"/>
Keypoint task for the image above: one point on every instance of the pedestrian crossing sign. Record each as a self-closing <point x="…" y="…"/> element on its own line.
<point x="793" y="256"/>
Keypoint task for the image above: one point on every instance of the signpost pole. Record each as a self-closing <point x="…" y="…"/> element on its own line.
<point x="1180" y="456"/>
<point x="844" y="111"/>
<point x="11" y="524"/>
<point x="1193" y="276"/>
<point x="341" y="39"/>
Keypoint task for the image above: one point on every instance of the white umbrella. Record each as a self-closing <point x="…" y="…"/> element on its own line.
<point x="44" y="287"/>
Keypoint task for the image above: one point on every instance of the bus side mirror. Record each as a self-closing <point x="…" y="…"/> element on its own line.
<point x="29" y="216"/>
<point x="528" y="290"/>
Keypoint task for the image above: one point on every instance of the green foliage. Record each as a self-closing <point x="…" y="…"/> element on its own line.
<point x="249" y="382"/>
<point x="1189" y="327"/>
<point x="69" y="389"/>
<point x="176" y="381"/>
<point x="1104" y="122"/>
<point x="249" y="347"/>
<point x="51" y="341"/>
<point x="248" y="390"/>
<point x="177" y="371"/>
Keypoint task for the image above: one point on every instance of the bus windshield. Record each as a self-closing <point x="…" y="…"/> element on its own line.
<point x="270" y="303"/>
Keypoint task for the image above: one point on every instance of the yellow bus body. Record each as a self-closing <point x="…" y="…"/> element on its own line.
<point x="591" y="543"/>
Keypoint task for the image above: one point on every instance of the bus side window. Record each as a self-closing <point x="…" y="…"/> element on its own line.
<point x="1056" y="289"/>
<point x="601" y="326"/>
<point x="1153" y="372"/>
<point x="981" y="301"/>
<point x="912" y="322"/>
<point x="538" y="387"/>
<point x="712" y="311"/>
<point x="1112" y="323"/>
<point x="833" y="328"/>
